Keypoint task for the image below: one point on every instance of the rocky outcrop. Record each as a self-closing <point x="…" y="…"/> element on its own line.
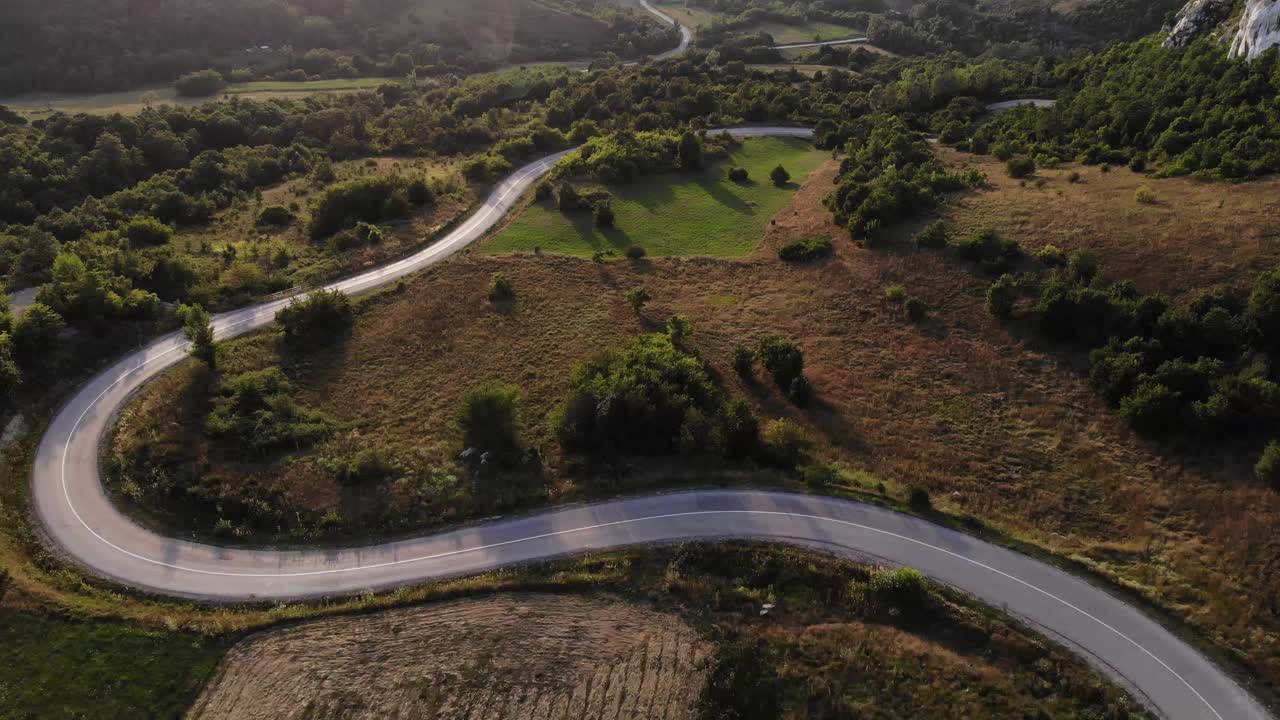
<point x="1259" y="29"/>
<point x="1197" y="18"/>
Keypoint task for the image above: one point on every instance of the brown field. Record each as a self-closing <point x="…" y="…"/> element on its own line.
<point x="507" y="656"/>
<point x="997" y="424"/>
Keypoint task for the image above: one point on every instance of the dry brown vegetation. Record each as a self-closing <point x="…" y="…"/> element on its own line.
<point x="507" y="656"/>
<point x="997" y="424"/>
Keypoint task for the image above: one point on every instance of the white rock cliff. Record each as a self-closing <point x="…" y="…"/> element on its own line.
<point x="1257" y="29"/>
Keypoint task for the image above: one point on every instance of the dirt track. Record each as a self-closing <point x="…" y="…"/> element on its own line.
<point x="508" y="656"/>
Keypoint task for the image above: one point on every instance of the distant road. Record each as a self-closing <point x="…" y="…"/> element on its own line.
<point x="797" y="46"/>
<point x="22" y="300"/>
<point x="686" y="35"/>
<point x="1038" y="102"/>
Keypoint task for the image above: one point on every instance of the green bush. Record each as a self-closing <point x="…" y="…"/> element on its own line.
<point x="743" y="362"/>
<point x="1267" y="469"/>
<point x="147" y="231"/>
<point x="651" y="398"/>
<point x="895" y="293"/>
<point x="1152" y="408"/>
<point x="200" y="84"/>
<point x="638" y="297"/>
<point x="500" y="288"/>
<point x="742" y="683"/>
<point x="199" y="331"/>
<point x="786" y="443"/>
<point x="367" y="467"/>
<point x="739" y="175"/>
<point x="806" y="250"/>
<point x="986" y="246"/>
<point x="933" y="235"/>
<point x="782" y="358"/>
<point x="1002" y="295"/>
<point x="255" y="410"/>
<point x="1145" y="195"/>
<point x="35" y="338"/>
<point x="915" y="309"/>
<point x="316" y="320"/>
<point x="375" y="200"/>
<point x="489" y="419"/>
<point x="903" y="587"/>
<point x="275" y="216"/>
<point x="603" y="213"/>
<point x="1020" y="167"/>
<point x="779" y="176"/>
<point x="1052" y="256"/>
<point x="635" y="252"/>
<point x="918" y="499"/>
<point x="419" y="192"/>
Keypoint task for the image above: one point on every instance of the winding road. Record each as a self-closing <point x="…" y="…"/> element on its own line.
<point x="77" y="516"/>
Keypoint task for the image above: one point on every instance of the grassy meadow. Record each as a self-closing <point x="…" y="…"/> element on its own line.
<point x="703" y="214"/>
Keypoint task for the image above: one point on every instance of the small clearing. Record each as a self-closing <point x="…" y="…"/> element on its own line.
<point x="507" y="656"/>
<point x="674" y="215"/>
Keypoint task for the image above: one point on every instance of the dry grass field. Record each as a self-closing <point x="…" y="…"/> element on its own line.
<point x="998" y="425"/>
<point x="511" y="656"/>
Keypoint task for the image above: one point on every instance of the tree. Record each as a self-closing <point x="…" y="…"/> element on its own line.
<point x="200" y="84"/>
<point x="35" y="337"/>
<point x="500" y="288"/>
<point x="780" y="176"/>
<point x="604" y="215"/>
<point x="10" y="375"/>
<point x="679" y="329"/>
<point x="147" y="231"/>
<point x="782" y="358"/>
<point x="1020" y="167"/>
<point x="743" y="683"/>
<point x="199" y="330"/>
<point x="637" y="298"/>
<point x="401" y="65"/>
<point x="1268" y="468"/>
<point x="316" y="320"/>
<point x="743" y="362"/>
<point x="1001" y="296"/>
<point x="739" y="175"/>
<point x="689" y="154"/>
<point x="489" y="418"/>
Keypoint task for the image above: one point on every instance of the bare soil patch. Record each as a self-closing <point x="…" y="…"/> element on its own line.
<point x="509" y="656"/>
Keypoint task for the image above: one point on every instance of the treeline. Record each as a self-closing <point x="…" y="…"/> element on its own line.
<point x="65" y="46"/>
<point x="1202" y="368"/>
<point x="1189" y="111"/>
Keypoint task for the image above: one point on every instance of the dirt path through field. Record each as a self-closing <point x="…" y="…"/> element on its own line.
<point x="508" y="656"/>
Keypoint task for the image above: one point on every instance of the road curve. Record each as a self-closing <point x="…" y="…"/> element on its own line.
<point x="78" y="517"/>
<point x="686" y="35"/>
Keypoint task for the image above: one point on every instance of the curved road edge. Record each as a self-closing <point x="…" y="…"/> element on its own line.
<point x="76" y="514"/>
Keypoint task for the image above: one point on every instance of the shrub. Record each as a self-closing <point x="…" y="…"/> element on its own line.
<point x="800" y="391"/>
<point x="915" y="309"/>
<point x="987" y="247"/>
<point x="1020" y="167"/>
<point x="806" y="250"/>
<point x="604" y="216"/>
<point x="739" y="175"/>
<point x="199" y="331"/>
<point x="895" y="293"/>
<point x="1073" y="177"/>
<point x="785" y="443"/>
<point x="743" y="362"/>
<point x="779" y="176"/>
<point x="1267" y="469"/>
<point x="1152" y="408"/>
<point x="1138" y="163"/>
<point x="419" y="192"/>
<point x="1145" y="195"/>
<point x="35" y="337"/>
<point x="569" y="199"/>
<point x="367" y="467"/>
<point x="255" y="410"/>
<point x="933" y="235"/>
<point x="202" y="83"/>
<point x="819" y="475"/>
<point x="543" y="191"/>
<point x="651" y="398"/>
<point x="1001" y="296"/>
<point x="500" y="288"/>
<point x="1082" y="266"/>
<point x="918" y="499"/>
<point x="904" y="587"/>
<point x="742" y="683"/>
<point x="10" y="375"/>
<point x="317" y="319"/>
<point x="1051" y="255"/>
<point x="489" y="418"/>
<point x="147" y="231"/>
<point x="637" y="298"/>
<point x="635" y="252"/>
<point x="275" y="216"/>
<point x="370" y="199"/>
<point x="782" y="358"/>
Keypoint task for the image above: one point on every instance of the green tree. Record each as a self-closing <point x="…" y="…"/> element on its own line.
<point x="780" y="176"/>
<point x="743" y="683"/>
<point x="637" y="298"/>
<point x="35" y="337"/>
<point x="782" y="358"/>
<point x="689" y="154"/>
<point x="316" y="320"/>
<point x="202" y="83"/>
<point x="199" y="331"/>
<point x="10" y="375"/>
<point x="1268" y="468"/>
<point x="489" y="418"/>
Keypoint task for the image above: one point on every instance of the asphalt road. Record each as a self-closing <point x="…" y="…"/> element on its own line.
<point x="1038" y="102"/>
<point x="686" y="35"/>
<point x="797" y="46"/>
<point x="76" y="515"/>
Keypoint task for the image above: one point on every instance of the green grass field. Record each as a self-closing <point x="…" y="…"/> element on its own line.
<point x="52" y="667"/>
<point x="308" y="85"/>
<point x="674" y="214"/>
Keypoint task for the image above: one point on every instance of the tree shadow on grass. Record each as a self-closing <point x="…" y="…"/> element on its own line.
<point x="615" y="239"/>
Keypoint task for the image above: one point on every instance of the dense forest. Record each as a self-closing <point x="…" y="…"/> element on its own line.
<point x="64" y="46"/>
